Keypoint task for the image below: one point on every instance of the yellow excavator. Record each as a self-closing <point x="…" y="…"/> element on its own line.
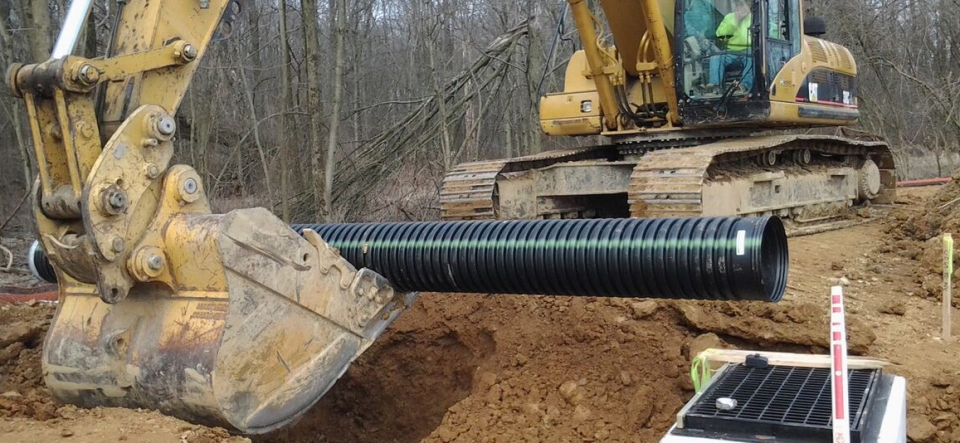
<point x="703" y="108"/>
<point x="243" y="321"/>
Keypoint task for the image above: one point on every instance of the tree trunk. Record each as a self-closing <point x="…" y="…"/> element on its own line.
<point x="90" y="36"/>
<point x="253" y="15"/>
<point x="248" y="92"/>
<point x="534" y="71"/>
<point x="356" y="69"/>
<point x="314" y="107"/>
<point x="341" y="19"/>
<point x="471" y="144"/>
<point x="430" y="38"/>
<point x="38" y="21"/>
<point x="507" y="134"/>
<point x="285" y="99"/>
<point x="6" y="39"/>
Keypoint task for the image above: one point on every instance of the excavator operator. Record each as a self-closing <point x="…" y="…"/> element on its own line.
<point x="735" y="30"/>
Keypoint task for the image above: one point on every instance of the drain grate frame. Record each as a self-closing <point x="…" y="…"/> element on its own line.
<point x="780" y="401"/>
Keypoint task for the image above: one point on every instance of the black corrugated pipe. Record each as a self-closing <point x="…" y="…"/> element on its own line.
<point x="39" y="265"/>
<point x="680" y="258"/>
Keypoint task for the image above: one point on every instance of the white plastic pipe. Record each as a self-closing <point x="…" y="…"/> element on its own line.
<point x="70" y="32"/>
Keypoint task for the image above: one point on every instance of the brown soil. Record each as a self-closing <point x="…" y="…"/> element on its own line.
<point x="473" y="368"/>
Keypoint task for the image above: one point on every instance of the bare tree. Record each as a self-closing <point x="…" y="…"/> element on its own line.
<point x="340" y="22"/>
<point x="314" y="106"/>
<point x="37" y="18"/>
<point x="400" y="87"/>
<point x="285" y="148"/>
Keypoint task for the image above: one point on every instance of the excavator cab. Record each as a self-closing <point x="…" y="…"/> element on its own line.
<point x="757" y="61"/>
<point x="729" y="52"/>
<point x="691" y="65"/>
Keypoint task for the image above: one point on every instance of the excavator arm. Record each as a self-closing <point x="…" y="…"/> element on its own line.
<point x="241" y="320"/>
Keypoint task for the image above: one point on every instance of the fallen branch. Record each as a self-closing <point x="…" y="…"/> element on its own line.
<point x="951" y="202"/>
<point x="380" y="158"/>
<point x="15" y="210"/>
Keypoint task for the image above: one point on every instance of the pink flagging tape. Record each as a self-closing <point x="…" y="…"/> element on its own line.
<point x="838" y="367"/>
<point x="16" y="294"/>
<point x="923" y="182"/>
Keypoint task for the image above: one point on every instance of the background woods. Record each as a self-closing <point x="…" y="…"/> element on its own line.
<point x="336" y="110"/>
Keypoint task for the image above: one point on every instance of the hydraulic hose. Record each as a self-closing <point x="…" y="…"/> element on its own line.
<point x="708" y="258"/>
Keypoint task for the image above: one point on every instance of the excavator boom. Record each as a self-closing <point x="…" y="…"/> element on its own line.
<point x="643" y="50"/>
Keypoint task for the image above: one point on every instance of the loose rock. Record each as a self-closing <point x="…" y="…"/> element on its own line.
<point x="895" y="308"/>
<point x="920" y="430"/>
<point x="704" y="342"/>
<point x="23" y="332"/>
<point x="644" y="308"/>
<point x="10" y="352"/>
<point x="581" y="413"/>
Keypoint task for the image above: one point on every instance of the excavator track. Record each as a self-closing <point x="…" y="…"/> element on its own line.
<point x="814" y="182"/>
<point x="469" y="189"/>
<point x="673" y="182"/>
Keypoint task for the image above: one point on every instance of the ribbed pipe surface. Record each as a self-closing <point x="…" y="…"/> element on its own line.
<point x="39" y="266"/>
<point x="679" y="258"/>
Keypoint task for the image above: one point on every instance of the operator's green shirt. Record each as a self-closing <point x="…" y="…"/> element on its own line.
<point x="740" y="31"/>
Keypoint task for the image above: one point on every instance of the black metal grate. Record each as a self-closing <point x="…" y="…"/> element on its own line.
<point x="779" y="401"/>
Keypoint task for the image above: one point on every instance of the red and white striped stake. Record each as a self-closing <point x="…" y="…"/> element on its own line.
<point x="838" y="367"/>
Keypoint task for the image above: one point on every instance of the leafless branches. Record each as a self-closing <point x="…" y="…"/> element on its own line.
<point x="13" y="213"/>
<point x="268" y="121"/>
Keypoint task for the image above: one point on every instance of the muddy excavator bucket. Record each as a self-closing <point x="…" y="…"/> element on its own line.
<point x="262" y="325"/>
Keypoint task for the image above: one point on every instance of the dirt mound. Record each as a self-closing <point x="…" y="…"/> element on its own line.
<point x="916" y="231"/>
<point x="471" y="368"/>
<point x="463" y="368"/>
<point x="935" y="409"/>
<point x="21" y="392"/>
<point x="922" y="219"/>
<point x="768" y="325"/>
<point x="574" y="370"/>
